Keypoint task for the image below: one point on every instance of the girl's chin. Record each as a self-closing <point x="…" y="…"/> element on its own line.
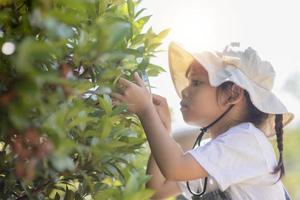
<point x="183" y="109"/>
<point x="190" y="120"/>
<point x="191" y="123"/>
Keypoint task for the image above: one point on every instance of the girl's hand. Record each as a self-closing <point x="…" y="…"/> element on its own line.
<point x="162" y="109"/>
<point x="136" y="96"/>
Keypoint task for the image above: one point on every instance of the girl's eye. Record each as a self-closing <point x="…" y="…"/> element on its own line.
<point x="196" y="82"/>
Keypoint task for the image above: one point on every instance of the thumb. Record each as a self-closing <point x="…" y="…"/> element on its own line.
<point x="138" y="79"/>
<point x="157" y="99"/>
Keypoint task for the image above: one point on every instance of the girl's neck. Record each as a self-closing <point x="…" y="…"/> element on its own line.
<point x="234" y="117"/>
<point x="220" y="127"/>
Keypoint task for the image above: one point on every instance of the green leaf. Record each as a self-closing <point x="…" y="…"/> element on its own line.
<point x="154" y="70"/>
<point x="116" y="144"/>
<point x="70" y="195"/>
<point x="31" y="51"/>
<point x="57" y="197"/>
<point x="78" y="196"/>
<point x="102" y="6"/>
<point x="115" y="31"/>
<point x="110" y="193"/>
<point x="105" y="105"/>
<point x="154" y="46"/>
<point x="138" y="39"/>
<point x="164" y="33"/>
<point x="142" y="21"/>
<point x="133" y="188"/>
<point x="111" y="182"/>
<point x="106" y="127"/>
<point x="82" y="120"/>
<point x="139" y="12"/>
<point x="89" y="133"/>
<point x="130" y="6"/>
<point x="119" y="109"/>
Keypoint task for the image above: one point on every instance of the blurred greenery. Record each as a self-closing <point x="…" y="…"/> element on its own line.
<point x="291" y="151"/>
<point x="60" y="136"/>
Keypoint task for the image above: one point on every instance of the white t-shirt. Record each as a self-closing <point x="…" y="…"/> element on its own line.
<point x="240" y="161"/>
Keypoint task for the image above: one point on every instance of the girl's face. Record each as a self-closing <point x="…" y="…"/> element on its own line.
<point x="199" y="101"/>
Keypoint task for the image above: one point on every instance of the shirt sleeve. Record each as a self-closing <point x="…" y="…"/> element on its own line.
<point x="231" y="158"/>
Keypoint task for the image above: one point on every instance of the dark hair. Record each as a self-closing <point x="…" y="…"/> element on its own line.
<point x="258" y="118"/>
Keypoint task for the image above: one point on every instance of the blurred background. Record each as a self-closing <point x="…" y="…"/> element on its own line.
<point x="270" y="27"/>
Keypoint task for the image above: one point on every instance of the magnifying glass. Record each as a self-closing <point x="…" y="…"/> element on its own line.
<point x="143" y="74"/>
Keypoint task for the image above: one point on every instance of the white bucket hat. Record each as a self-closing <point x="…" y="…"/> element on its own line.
<point x="242" y="66"/>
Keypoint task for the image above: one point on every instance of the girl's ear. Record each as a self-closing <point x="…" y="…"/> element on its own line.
<point x="235" y="96"/>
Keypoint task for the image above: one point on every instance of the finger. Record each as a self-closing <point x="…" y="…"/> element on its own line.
<point x="117" y="96"/>
<point x="116" y="102"/>
<point x="121" y="88"/>
<point x="158" y="99"/>
<point x="124" y="82"/>
<point x="138" y="79"/>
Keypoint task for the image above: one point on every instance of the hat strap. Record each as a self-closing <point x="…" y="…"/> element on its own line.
<point x="204" y="129"/>
<point x="198" y="140"/>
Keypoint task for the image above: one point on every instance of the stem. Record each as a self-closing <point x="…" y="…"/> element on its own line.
<point x="34" y="191"/>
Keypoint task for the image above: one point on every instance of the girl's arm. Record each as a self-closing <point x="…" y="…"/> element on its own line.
<point x="157" y="179"/>
<point x="170" y="158"/>
<point x="163" y="188"/>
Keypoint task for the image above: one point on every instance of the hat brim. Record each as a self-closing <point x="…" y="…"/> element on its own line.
<point x="263" y="99"/>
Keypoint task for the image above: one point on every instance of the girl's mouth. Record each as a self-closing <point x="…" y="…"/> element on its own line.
<point x="183" y="106"/>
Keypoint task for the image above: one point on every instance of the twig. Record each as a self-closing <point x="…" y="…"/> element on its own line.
<point x="35" y="190"/>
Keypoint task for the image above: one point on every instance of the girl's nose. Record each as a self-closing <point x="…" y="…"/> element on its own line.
<point x="184" y="93"/>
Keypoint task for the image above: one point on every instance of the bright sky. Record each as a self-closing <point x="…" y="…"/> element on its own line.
<point x="270" y="27"/>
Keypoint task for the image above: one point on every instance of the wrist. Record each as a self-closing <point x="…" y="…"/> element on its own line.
<point x="146" y="110"/>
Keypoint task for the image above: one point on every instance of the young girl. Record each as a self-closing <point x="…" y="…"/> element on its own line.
<point x="228" y="94"/>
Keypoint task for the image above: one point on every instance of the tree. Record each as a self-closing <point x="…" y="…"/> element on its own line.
<point x="61" y="138"/>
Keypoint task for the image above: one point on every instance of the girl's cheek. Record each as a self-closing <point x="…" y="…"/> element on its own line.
<point x="201" y="105"/>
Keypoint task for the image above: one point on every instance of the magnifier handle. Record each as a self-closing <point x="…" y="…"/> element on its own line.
<point x="143" y="74"/>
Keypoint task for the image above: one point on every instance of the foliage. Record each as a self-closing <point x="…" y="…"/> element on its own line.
<point x="291" y="144"/>
<point x="60" y="136"/>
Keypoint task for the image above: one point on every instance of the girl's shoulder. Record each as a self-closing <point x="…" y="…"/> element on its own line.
<point x="244" y="132"/>
<point x="240" y="154"/>
<point x="246" y="137"/>
<point x="241" y="129"/>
